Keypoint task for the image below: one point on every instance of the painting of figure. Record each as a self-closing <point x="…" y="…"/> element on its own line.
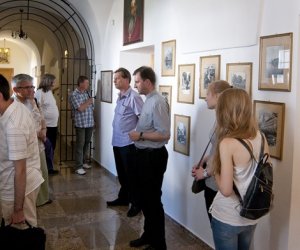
<point x="133" y="21"/>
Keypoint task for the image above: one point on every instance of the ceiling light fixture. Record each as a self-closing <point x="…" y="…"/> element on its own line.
<point x="20" y="33"/>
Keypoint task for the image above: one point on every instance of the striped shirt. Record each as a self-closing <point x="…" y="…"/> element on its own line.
<point x="19" y="141"/>
<point x="84" y="119"/>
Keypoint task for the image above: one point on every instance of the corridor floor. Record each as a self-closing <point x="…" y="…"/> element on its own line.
<point x="79" y="219"/>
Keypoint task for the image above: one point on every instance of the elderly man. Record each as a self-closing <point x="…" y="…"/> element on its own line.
<point x="20" y="174"/>
<point x="151" y="135"/>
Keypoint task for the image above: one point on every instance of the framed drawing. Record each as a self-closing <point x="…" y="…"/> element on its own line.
<point x="182" y="134"/>
<point x="186" y="83"/>
<point x="106" y="85"/>
<point x="275" y="62"/>
<point x="209" y="72"/>
<point x="168" y="58"/>
<point x="270" y="117"/>
<point x="166" y="92"/>
<point x="239" y="75"/>
<point x="133" y="21"/>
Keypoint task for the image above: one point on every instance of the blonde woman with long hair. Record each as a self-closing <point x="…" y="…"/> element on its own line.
<point x="233" y="164"/>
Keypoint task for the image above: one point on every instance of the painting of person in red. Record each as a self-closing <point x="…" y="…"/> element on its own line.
<point x="133" y="21"/>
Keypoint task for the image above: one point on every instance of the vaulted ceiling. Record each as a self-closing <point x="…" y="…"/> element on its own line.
<point x="56" y="21"/>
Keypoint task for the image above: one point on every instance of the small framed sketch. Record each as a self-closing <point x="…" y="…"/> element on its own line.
<point x="166" y="92"/>
<point x="186" y="83"/>
<point x="209" y="72"/>
<point x="106" y="85"/>
<point x="182" y="134"/>
<point x="239" y="75"/>
<point x="270" y="117"/>
<point x="275" y="62"/>
<point x="168" y="58"/>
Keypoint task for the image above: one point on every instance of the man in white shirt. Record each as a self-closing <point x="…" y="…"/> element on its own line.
<point x="20" y="174"/>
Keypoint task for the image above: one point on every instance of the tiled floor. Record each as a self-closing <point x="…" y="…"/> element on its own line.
<point x="79" y="219"/>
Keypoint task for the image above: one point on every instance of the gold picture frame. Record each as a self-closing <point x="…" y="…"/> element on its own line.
<point x="186" y="83"/>
<point x="209" y="72"/>
<point x="168" y="58"/>
<point x="239" y="75"/>
<point x="270" y="118"/>
<point x="182" y="134"/>
<point x="106" y="86"/>
<point x="275" y="62"/>
<point x="166" y="92"/>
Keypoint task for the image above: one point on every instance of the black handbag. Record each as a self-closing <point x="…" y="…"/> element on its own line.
<point x="33" y="238"/>
<point x="199" y="185"/>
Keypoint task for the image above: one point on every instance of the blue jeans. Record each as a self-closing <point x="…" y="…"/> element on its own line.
<point x="227" y="237"/>
<point x="83" y="138"/>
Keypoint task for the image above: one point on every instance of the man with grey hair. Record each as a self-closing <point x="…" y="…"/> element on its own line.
<point x="24" y="92"/>
<point x="20" y="174"/>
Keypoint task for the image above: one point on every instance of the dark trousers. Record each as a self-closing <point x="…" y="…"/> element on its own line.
<point x="152" y="164"/>
<point x="127" y="174"/>
<point x="49" y="154"/>
<point x="209" y="195"/>
<point x="52" y="135"/>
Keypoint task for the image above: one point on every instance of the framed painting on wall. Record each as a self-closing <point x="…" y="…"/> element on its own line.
<point x="186" y="83"/>
<point x="133" y="21"/>
<point x="106" y="86"/>
<point x="275" y="62"/>
<point x="209" y="72"/>
<point x="239" y="75"/>
<point x="166" y="92"/>
<point x="182" y="134"/>
<point x="270" y="117"/>
<point x="168" y="58"/>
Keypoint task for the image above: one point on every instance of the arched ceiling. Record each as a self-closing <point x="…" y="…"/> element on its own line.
<point x="56" y="21"/>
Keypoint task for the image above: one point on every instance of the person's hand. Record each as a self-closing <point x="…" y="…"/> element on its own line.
<point x="198" y="173"/>
<point x="194" y="170"/>
<point x="134" y="135"/>
<point x="17" y="217"/>
<point x="90" y="100"/>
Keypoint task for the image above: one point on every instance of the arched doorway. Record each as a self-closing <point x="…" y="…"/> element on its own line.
<point x="65" y="47"/>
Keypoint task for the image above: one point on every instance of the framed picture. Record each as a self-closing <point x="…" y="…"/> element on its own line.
<point x="209" y="72"/>
<point x="4" y="55"/>
<point x="182" y="134"/>
<point x="166" y="92"/>
<point x="239" y="75"/>
<point x="270" y="117"/>
<point x="275" y="62"/>
<point x="133" y="21"/>
<point x="186" y="83"/>
<point x="106" y="85"/>
<point x="168" y="58"/>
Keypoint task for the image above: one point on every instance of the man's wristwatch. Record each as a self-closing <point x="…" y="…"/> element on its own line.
<point x="205" y="174"/>
<point x="141" y="136"/>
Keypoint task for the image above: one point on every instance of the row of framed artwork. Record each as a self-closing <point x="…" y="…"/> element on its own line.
<point x="275" y="66"/>
<point x="270" y="117"/>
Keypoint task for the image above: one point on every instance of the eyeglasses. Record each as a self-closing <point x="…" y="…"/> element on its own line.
<point x="27" y="87"/>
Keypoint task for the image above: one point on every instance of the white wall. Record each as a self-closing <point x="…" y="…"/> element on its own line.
<point x="234" y="34"/>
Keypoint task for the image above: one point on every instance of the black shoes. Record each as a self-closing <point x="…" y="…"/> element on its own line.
<point x="117" y="202"/>
<point x="139" y="242"/>
<point x="133" y="211"/>
<point x="52" y="172"/>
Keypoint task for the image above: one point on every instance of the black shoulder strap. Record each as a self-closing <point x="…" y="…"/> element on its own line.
<point x="261" y="154"/>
